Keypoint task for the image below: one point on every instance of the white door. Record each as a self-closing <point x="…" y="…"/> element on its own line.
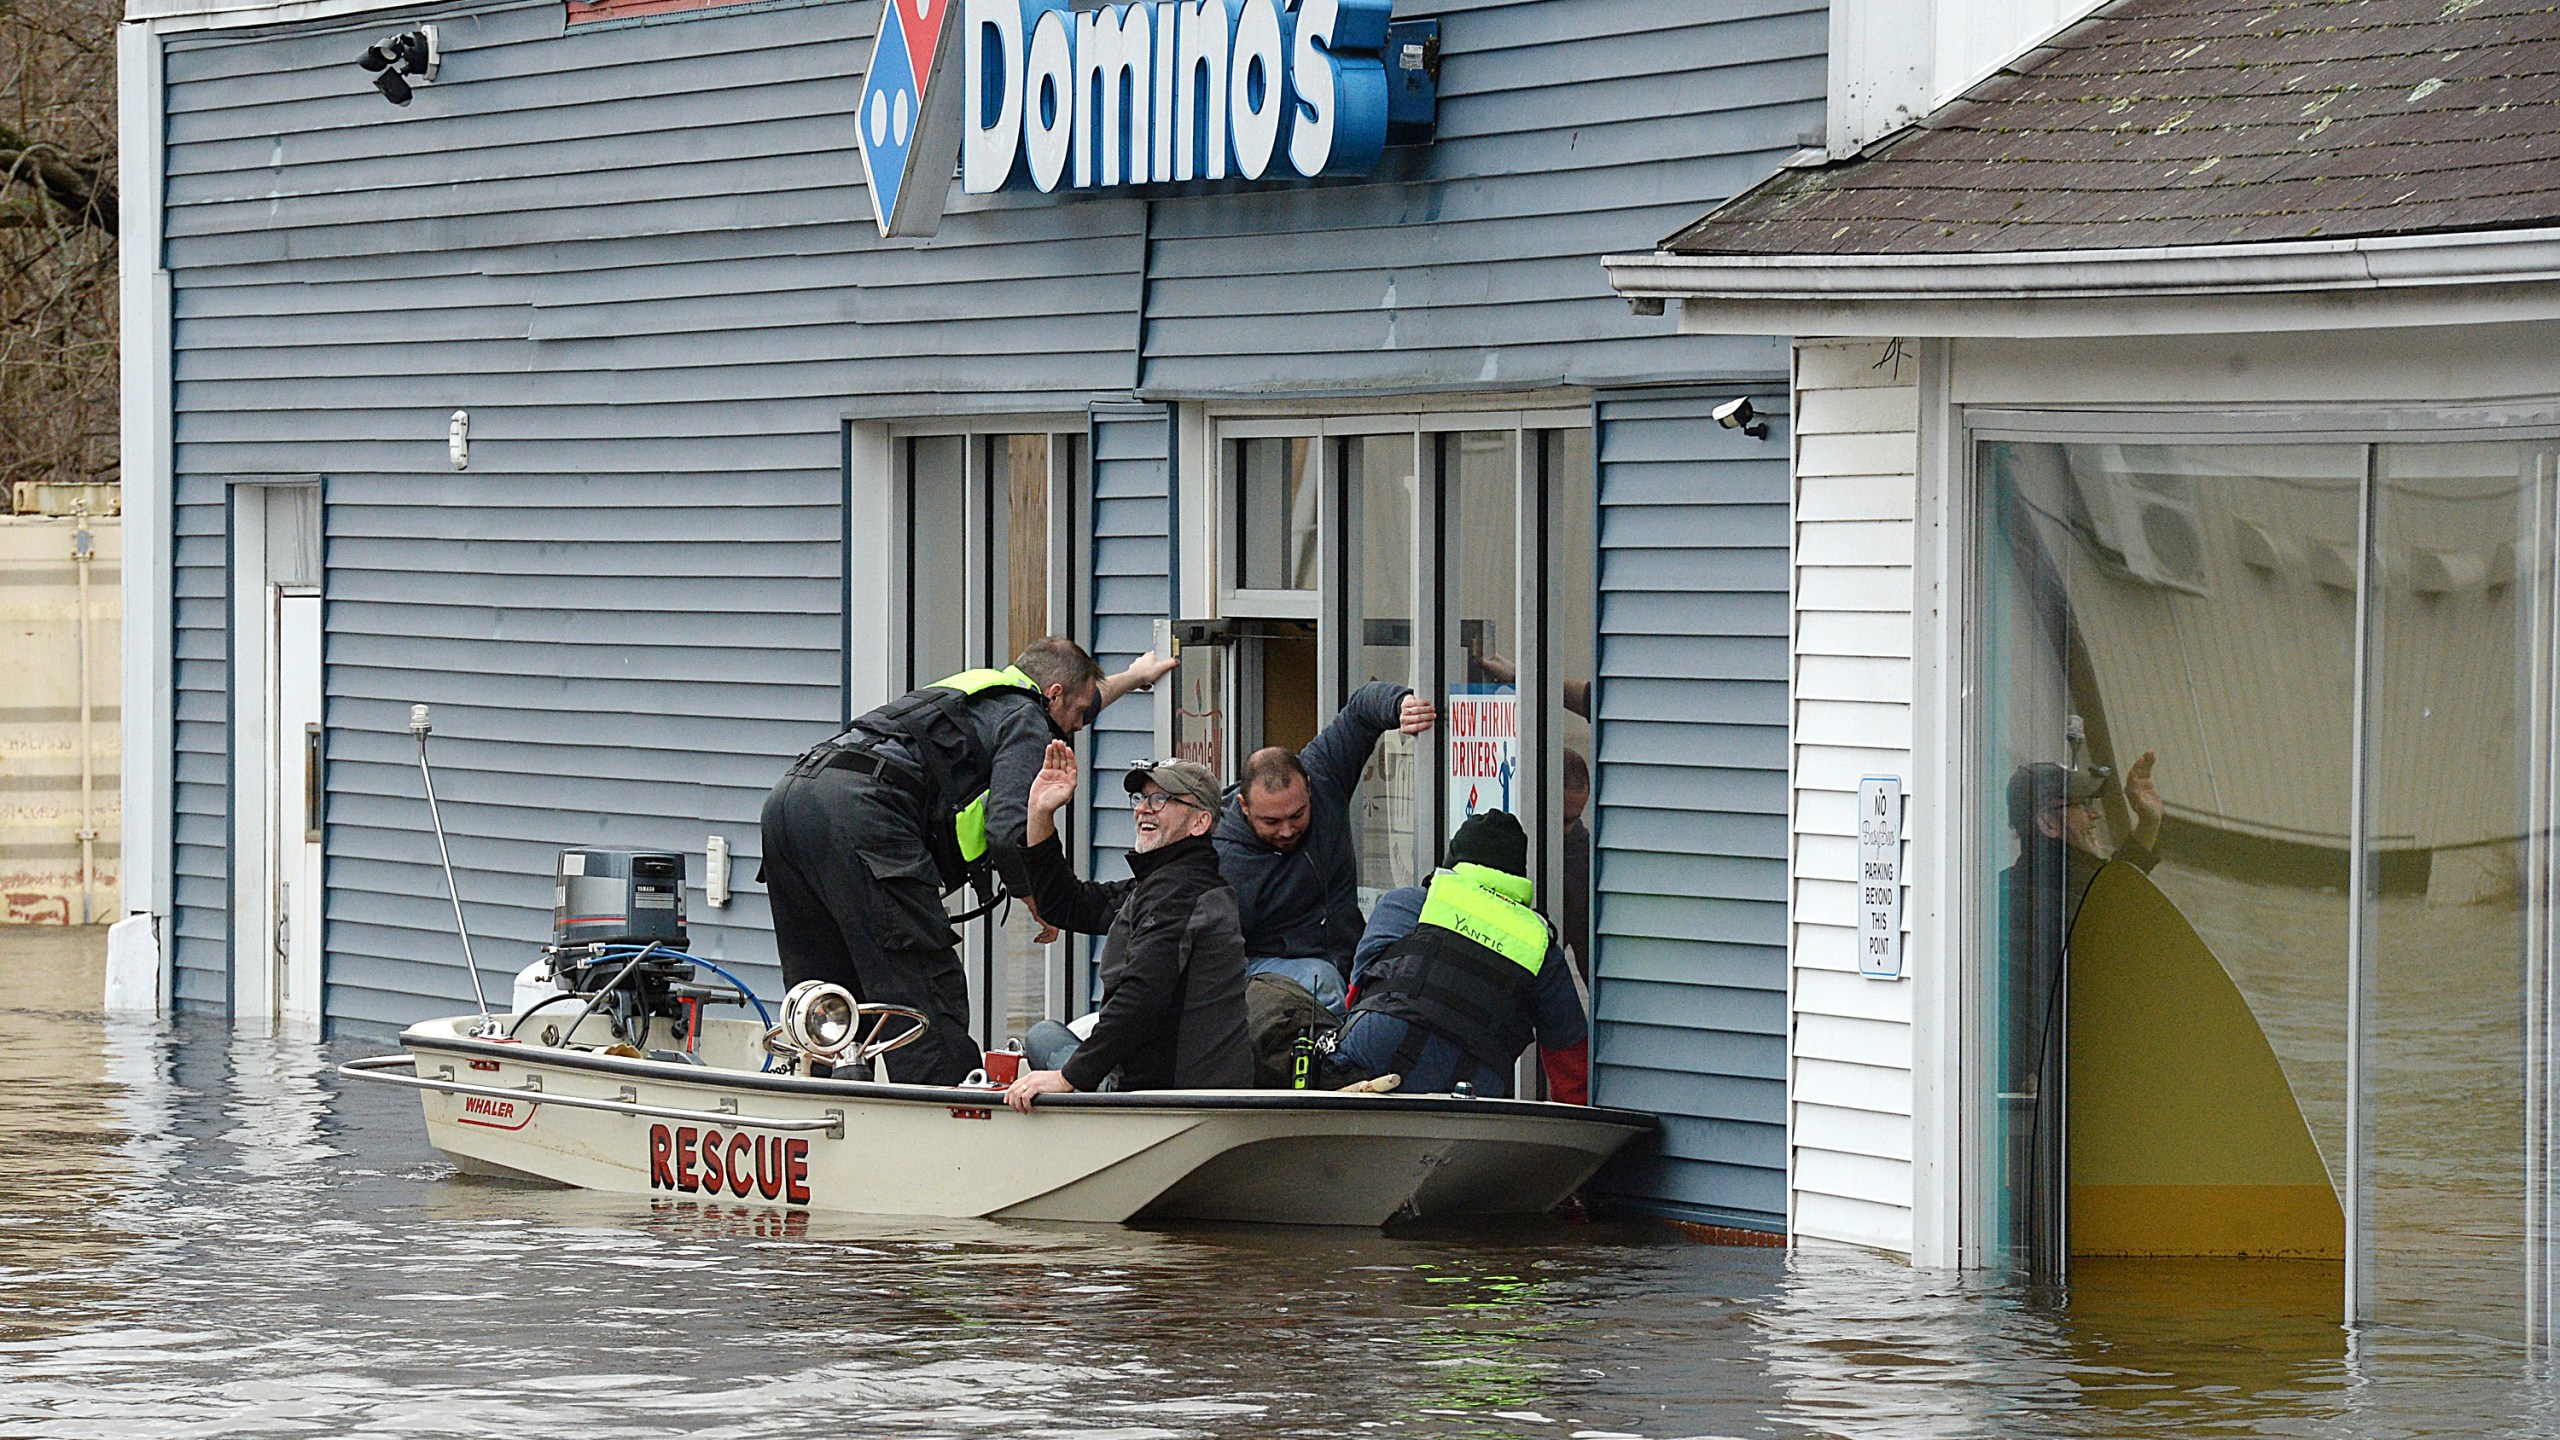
<point x="275" y="781"/>
<point x="296" y="766"/>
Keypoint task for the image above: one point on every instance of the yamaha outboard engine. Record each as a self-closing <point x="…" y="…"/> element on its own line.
<point x="617" y="922"/>
<point x="613" y="897"/>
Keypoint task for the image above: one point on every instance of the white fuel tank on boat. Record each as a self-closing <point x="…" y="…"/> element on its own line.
<point x="533" y="983"/>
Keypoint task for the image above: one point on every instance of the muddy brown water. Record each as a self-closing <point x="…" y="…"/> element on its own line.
<point x="202" y="1232"/>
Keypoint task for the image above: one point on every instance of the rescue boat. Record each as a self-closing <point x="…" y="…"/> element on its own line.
<point x="644" y="1091"/>
<point x="712" y="1122"/>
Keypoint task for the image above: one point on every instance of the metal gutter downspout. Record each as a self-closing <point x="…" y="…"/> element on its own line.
<point x="2277" y="267"/>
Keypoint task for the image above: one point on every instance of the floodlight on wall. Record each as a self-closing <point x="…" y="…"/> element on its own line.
<point x="394" y="58"/>
<point x="1738" y="414"/>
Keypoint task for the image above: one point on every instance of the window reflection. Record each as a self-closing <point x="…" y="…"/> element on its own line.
<point x="1275" y="512"/>
<point x="2166" y="750"/>
<point x="2458" y="829"/>
<point x="1378" y="507"/>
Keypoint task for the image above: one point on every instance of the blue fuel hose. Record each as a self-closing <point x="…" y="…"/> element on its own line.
<point x="715" y="968"/>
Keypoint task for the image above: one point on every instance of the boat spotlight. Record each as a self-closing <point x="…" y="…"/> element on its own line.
<point x="818" y="1018"/>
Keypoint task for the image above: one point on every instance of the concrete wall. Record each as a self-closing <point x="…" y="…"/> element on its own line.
<point x="42" y="813"/>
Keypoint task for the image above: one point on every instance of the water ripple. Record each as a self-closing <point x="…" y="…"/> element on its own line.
<point x="202" y="1234"/>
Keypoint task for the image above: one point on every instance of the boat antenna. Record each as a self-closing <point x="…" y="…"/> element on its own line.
<point x="420" y="727"/>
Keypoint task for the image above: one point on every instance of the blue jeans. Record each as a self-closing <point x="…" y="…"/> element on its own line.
<point x="1321" y="979"/>
<point x="1049" y="1045"/>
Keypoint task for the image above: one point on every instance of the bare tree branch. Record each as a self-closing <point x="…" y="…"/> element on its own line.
<point x="58" y="216"/>
<point x="81" y="187"/>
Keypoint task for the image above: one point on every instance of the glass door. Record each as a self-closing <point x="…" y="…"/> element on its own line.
<point x="1451" y="554"/>
<point x="1381" y="556"/>
<point x="2264" y="756"/>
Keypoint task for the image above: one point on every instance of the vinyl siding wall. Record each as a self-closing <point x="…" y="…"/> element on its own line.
<point x="1850" y="1062"/>
<point x="1568" y="129"/>
<point x="640" y="256"/>
<point x="1691" y="980"/>
<point x="1132" y="589"/>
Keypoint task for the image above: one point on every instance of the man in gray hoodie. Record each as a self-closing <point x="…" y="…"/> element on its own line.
<point x="1286" y="843"/>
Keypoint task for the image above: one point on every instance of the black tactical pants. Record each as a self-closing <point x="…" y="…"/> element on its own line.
<point x="856" y="900"/>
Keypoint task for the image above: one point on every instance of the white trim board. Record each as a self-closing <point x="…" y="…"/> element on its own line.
<point x="149" y="769"/>
<point x="2380" y="281"/>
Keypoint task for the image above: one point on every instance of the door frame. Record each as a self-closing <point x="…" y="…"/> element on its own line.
<point x="269" y="988"/>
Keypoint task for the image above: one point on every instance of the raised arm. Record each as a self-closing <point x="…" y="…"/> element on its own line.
<point x="1058" y="896"/>
<point x="1334" y="758"/>
<point x="1142" y="674"/>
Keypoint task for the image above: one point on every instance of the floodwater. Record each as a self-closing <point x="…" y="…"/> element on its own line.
<point x="202" y="1232"/>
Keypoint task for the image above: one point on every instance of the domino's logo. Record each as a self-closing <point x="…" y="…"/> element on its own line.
<point x="910" y="144"/>
<point x="1051" y="97"/>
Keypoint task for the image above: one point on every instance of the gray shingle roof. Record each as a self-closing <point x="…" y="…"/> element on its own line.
<point x="2193" y="122"/>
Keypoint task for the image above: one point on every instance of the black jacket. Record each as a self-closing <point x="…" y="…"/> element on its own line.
<point x="1172" y="968"/>
<point x="1016" y="731"/>
<point x="1306" y="903"/>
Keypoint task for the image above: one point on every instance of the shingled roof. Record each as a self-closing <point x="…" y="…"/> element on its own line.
<point x="2196" y="122"/>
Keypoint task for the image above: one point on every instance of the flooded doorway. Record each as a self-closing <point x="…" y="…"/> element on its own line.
<point x="2261" y="825"/>
<point x="1450" y="553"/>
<point x="278" y="751"/>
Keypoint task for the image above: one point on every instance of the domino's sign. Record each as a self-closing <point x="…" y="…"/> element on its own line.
<point x="1155" y="92"/>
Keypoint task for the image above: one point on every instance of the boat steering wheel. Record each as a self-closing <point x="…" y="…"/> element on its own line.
<point x="868" y="1046"/>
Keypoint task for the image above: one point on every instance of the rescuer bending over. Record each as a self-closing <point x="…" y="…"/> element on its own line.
<point x="866" y="833"/>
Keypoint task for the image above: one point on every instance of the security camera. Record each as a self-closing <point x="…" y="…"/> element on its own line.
<point x="395" y="57"/>
<point x="1737" y="414"/>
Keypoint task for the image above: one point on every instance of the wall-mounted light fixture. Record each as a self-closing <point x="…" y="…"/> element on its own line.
<point x="394" y="58"/>
<point x="1737" y="414"/>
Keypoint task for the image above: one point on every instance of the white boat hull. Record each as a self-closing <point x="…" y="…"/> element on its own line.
<point x="639" y="1126"/>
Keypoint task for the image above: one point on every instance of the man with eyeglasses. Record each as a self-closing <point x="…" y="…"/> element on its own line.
<point x="2058" y="815"/>
<point x="1172" y="965"/>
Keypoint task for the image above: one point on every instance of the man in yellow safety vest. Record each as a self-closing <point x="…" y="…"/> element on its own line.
<point x="867" y="832"/>
<point x="1453" y="981"/>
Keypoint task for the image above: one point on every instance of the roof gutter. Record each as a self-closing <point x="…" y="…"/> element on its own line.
<point x="2280" y="285"/>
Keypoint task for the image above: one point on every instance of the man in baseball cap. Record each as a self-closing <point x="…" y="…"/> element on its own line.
<point x="1172" y="966"/>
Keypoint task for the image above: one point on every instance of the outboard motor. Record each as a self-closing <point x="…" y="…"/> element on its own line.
<point x="611" y="897"/>
<point x="617" y="923"/>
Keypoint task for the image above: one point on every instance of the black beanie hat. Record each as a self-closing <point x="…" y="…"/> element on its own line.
<point x="1494" y="840"/>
